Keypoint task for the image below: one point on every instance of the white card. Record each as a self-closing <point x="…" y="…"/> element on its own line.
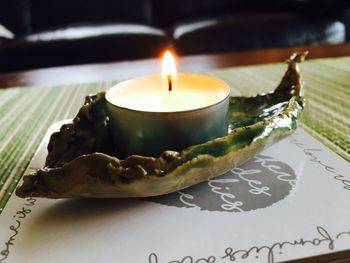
<point x="291" y="201"/>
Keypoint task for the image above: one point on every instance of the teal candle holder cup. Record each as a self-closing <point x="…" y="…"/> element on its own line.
<point x="147" y="133"/>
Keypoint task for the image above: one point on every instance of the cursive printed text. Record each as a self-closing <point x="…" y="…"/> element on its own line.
<point x="228" y="198"/>
<point x="256" y="186"/>
<point x="266" y="253"/>
<point x="323" y="238"/>
<point x="269" y="164"/>
<point x="311" y="153"/>
<point x="19" y="216"/>
<point x="153" y="258"/>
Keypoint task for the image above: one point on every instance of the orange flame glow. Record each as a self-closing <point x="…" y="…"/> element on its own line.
<point x="168" y="66"/>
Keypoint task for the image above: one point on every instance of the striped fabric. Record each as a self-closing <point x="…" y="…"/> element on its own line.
<point x="26" y="113"/>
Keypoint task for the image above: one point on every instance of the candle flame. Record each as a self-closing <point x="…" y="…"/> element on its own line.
<point x="168" y="66"/>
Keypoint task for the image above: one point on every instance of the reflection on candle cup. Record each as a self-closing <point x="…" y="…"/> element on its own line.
<point x="147" y="119"/>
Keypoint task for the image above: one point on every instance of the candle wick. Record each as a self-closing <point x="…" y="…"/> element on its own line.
<point x="170" y="83"/>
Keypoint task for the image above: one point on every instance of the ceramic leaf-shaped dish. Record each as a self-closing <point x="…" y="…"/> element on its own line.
<point x="80" y="162"/>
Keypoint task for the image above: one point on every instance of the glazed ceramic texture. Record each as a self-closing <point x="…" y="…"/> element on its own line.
<point x="81" y="163"/>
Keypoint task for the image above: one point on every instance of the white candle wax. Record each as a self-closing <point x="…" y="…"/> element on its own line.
<point x="150" y="93"/>
<point x="147" y="119"/>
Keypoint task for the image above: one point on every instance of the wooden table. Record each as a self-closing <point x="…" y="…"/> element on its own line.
<point x="127" y="69"/>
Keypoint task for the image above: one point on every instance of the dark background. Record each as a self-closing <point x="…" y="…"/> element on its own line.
<point x="61" y="32"/>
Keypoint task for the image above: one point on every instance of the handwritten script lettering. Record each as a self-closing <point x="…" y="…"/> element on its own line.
<point x="153" y="258"/>
<point x="19" y="216"/>
<point x="311" y="153"/>
<point x="266" y="253"/>
<point x="324" y="237"/>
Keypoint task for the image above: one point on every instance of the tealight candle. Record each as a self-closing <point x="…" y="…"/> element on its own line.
<point x="171" y="111"/>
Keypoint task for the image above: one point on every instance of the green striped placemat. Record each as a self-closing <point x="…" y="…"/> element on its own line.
<point x="26" y="113"/>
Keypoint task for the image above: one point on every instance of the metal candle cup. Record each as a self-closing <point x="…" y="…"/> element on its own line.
<point x="193" y="113"/>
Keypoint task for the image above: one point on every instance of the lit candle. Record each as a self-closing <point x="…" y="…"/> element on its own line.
<point x="170" y="111"/>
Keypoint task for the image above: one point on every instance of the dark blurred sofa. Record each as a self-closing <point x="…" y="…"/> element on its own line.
<point x="61" y="32"/>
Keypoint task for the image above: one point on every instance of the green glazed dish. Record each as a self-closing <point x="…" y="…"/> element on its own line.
<point x="80" y="162"/>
